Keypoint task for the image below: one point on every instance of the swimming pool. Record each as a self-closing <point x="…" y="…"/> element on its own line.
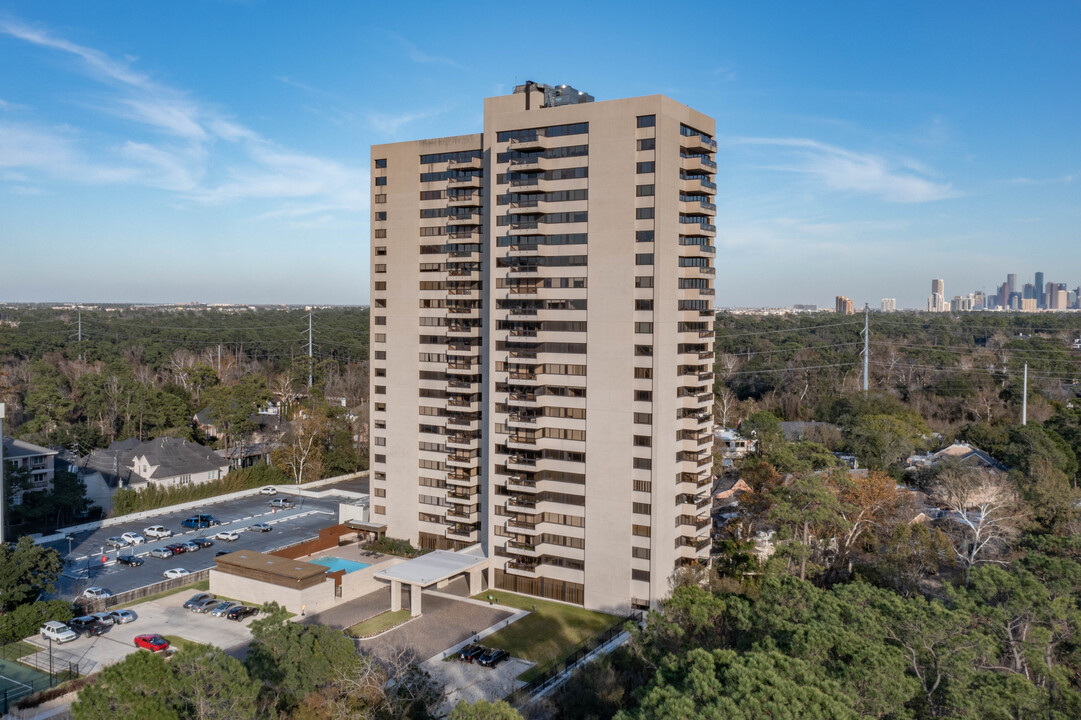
<point x="336" y="563"/>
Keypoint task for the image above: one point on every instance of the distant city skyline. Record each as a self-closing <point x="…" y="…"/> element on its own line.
<point x="218" y="152"/>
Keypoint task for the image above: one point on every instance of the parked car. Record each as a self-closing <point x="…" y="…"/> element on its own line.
<point x="153" y="643"/>
<point x="104" y="618"/>
<point x="203" y="542"/>
<point x="200" y="521"/>
<point x="190" y="546"/>
<point x="176" y="549"/>
<point x="205" y="606"/>
<point x="223" y="607"/>
<point x="268" y="490"/>
<point x="129" y="560"/>
<point x="96" y="593"/>
<point x="281" y="503"/>
<point x="161" y="552"/>
<point x="493" y="657"/>
<point x="174" y="573"/>
<point x="158" y="532"/>
<point x="240" y="612"/>
<point x="132" y="538"/>
<point x="198" y="597"/>
<point x="260" y="527"/>
<point x="58" y="632"/>
<point x="470" y="653"/>
<point x="228" y="535"/>
<point x="122" y="616"/>
<point x="222" y="552"/>
<point x="116" y="542"/>
<point x="87" y="625"/>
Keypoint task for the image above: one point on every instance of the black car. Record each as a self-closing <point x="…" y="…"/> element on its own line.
<point x="87" y="625"/>
<point x="241" y="611"/>
<point x="470" y="653"/>
<point x="202" y="542"/>
<point x="130" y="560"/>
<point x="222" y="552"/>
<point x="493" y="657"/>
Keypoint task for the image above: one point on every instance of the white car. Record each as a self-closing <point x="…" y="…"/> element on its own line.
<point x="96" y="593"/>
<point x="58" y="632"/>
<point x="158" y="532"/>
<point x="268" y="490"/>
<point x="229" y="535"/>
<point x="174" y="573"/>
<point x="133" y="538"/>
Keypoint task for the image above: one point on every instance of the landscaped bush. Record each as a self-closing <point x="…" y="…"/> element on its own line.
<point x="25" y="620"/>
<point x="394" y="546"/>
<point x="128" y="501"/>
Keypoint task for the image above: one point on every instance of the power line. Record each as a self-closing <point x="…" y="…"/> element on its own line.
<point x="788" y="330"/>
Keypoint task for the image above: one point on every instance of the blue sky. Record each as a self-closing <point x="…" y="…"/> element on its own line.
<point x="219" y="151"/>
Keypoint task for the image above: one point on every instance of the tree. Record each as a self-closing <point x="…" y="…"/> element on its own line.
<point x="867" y="501"/>
<point x="1048" y="491"/>
<point x="880" y="441"/>
<point x="765" y="427"/>
<point x="808" y="512"/>
<point x="909" y="552"/>
<point x="301" y="454"/>
<point x="484" y="710"/>
<point x="140" y="686"/>
<point x="26" y="571"/>
<point x="210" y="685"/>
<point x="986" y="513"/>
<point x="25" y="620"/>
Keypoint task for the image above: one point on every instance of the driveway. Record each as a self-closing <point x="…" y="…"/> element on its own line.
<point x="163" y="617"/>
<point x="471" y="682"/>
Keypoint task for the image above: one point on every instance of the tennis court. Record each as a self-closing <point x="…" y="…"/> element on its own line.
<point x="18" y="680"/>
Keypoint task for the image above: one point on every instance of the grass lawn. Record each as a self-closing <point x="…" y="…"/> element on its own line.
<point x="198" y="586"/>
<point x="175" y="641"/>
<point x="548" y="634"/>
<point x="18" y="649"/>
<point x="379" y="623"/>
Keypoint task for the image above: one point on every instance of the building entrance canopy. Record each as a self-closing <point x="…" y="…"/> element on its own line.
<point x="431" y="569"/>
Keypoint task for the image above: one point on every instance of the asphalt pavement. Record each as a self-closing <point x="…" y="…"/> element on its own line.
<point x="84" y="566"/>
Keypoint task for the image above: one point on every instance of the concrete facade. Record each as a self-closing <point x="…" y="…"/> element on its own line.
<point x="550" y="397"/>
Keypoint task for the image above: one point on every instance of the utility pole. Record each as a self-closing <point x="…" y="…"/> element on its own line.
<point x="80" y="333"/>
<point x="219" y="359"/>
<point x="309" y="351"/>
<point x="866" y="342"/>
<point x="3" y="501"/>
<point x="1024" y="399"/>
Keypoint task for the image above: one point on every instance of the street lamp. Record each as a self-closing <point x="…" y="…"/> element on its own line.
<point x="50" y="657"/>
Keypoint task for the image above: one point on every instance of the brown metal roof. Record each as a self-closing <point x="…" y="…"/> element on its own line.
<point x="272" y="568"/>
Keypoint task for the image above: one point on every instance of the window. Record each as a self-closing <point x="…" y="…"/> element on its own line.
<point x="647" y="120"/>
<point x="643" y="167"/>
<point x="643" y="236"/>
<point x="644" y="190"/>
<point x="647" y="143"/>
<point x="380" y="199"/>
<point x="381" y="233"/>
<point x="643" y="441"/>
<point x="381" y="492"/>
<point x="381" y="163"/>
<point x="381" y="215"/>
<point x="379" y="441"/>
<point x="643" y="213"/>
<point x="643" y="350"/>
<point x="640" y="530"/>
<point x="641" y="508"/>
<point x="640" y="553"/>
<point x="643" y="281"/>
<point x="642" y="575"/>
<point x="643" y="396"/>
<point x="380" y="250"/>
<point x="381" y="285"/>
<point x="641" y="373"/>
<point x="639" y="259"/>
<point x="643" y="418"/>
<point x="643" y="304"/>
<point x="383" y="268"/>
<point x="380" y="181"/>
<point x="380" y="354"/>
<point x="643" y="327"/>
<point x="380" y="389"/>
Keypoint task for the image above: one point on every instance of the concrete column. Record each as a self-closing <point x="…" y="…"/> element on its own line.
<point x="414" y="600"/>
<point x="475" y="581"/>
<point x="395" y="595"/>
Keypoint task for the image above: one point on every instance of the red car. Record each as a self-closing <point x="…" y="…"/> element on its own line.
<point x="153" y="643"/>
<point x="176" y="549"/>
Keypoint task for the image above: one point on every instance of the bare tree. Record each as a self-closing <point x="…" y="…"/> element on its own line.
<point x="725" y="402"/>
<point x="301" y="454"/>
<point x="986" y="513"/>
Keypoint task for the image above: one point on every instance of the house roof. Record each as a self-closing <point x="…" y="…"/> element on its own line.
<point x="20" y="448"/>
<point x="171" y="456"/>
<point x="968" y="454"/>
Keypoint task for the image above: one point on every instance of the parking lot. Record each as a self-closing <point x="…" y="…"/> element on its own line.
<point x="84" y="567"/>
<point x="165" y="616"/>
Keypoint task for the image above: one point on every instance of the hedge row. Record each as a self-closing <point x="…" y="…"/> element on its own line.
<point x="128" y="501"/>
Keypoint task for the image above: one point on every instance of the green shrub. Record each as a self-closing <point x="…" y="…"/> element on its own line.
<point x="25" y="620"/>
<point x="127" y="501"/>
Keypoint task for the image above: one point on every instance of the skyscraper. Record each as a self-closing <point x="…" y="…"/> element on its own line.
<point x="844" y="305"/>
<point x="1041" y="297"/>
<point x="551" y="398"/>
<point x="937" y="301"/>
<point x="889" y="304"/>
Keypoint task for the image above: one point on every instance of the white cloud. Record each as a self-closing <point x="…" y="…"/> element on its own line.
<point x="191" y="148"/>
<point x="903" y="180"/>
<point x="417" y="55"/>
<point x="390" y="124"/>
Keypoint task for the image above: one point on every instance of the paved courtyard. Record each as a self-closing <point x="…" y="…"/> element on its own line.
<point x="165" y="616"/>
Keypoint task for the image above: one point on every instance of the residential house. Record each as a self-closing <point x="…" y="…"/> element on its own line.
<point x="164" y="462"/>
<point x="37" y="460"/>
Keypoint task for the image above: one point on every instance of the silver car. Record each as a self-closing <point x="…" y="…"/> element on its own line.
<point x="204" y="606"/>
<point x="122" y="616"/>
<point x="223" y="607"/>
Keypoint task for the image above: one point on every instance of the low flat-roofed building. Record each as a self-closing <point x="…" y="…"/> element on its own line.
<point x="299" y="586"/>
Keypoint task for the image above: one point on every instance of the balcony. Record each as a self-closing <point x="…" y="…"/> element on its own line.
<point x="463" y="330"/>
<point x="522" y="397"/>
<point x="523" y="227"/>
<point x="519" y="524"/>
<point x="529" y="207"/>
<point x="462" y="531"/>
<point x="463" y="461"/>
<point x="522" y="332"/>
<point x="464" y="233"/>
<point x="520" y="546"/>
<point x="462" y="368"/>
<point x="461" y="513"/>
<point x="462" y="313"/>
<point x="695" y="229"/>
<point x="462" y="440"/>
<point x="521" y="461"/>
<point x="528" y="143"/>
<point x="523" y="376"/>
<point x="458" y="220"/>
<point x="696" y="207"/>
<point x="697" y="185"/>
<point x="519" y="504"/>
<point x="699" y="143"/>
<point x="458" y="478"/>
<point x="463" y="423"/>
<point x="464" y="200"/>
<point x="472" y="163"/>
<point x="464" y="181"/>
<point x="527" y="420"/>
<point x="533" y="163"/>
<point x="698" y="164"/>
<point x="515" y="567"/>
